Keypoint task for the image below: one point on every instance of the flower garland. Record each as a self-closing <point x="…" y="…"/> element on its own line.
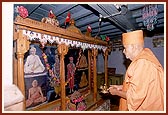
<point x="54" y="78"/>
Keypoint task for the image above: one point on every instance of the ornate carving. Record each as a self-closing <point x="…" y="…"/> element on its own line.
<point x="22" y="43"/>
<point x="106" y="52"/>
<point x="51" y="21"/>
<point x="62" y="49"/>
<point x="73" y="32"/>
<point x="38" y="25"/>
<point x="94" y="52"/>
<point x="73" y="28"/>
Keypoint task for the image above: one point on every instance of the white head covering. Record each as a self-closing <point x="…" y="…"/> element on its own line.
<point x="32" y="48"/>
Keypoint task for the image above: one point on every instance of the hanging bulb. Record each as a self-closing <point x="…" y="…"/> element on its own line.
<point x="100" y="19"/>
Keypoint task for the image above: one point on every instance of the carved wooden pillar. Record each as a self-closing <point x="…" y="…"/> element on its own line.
<point x="15" y="36"/>
<point x="22" y="47"/>
<point x="15" y="65"/>
<point x="106" y="65"/>
<point x="94" y="53"/>
<point x="89" y="68"/>
<point x="62" y="50"/>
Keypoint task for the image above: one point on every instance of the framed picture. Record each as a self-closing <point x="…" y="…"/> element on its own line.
<point x="40" y="86"/>
<point x="76" y="70"/>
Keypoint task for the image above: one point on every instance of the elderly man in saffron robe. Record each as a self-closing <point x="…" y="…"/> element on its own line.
<point x="35" y="94"/>
<point x="143" y="87"/>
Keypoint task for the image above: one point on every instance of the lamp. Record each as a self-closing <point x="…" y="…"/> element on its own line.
<point x="122" y="8"/>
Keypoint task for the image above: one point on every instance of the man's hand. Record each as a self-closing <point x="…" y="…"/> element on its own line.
<point x="113" y="89"/>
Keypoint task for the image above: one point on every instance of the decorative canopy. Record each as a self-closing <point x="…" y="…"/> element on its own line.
<point x="46" y="33"/>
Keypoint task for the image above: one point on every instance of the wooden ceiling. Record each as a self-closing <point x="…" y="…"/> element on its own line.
<point x="105" y="19"/>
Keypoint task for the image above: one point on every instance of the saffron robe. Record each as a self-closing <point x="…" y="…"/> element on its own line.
<point x="70" y="74"/>
<point x="143" y="84"/>
<point x="35" y="96"/>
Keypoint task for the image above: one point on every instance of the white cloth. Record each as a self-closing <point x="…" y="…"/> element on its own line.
<point x="12" y="95"/>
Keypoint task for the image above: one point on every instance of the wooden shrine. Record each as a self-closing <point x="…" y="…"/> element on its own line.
<point x="28" y="31"/>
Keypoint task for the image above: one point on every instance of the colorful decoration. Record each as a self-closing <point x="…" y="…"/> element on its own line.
<point x="43" y="38"/>
<point x="77" y="102"/>
<point x="23" y="12"/>
<point x="68" y="18"/>
<point x="149" y="16"/>
<point x="89" y="29"/>
<point x="105" y="38"/>
<point x="51" y="19"/>
<point x="51" y="14"/>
